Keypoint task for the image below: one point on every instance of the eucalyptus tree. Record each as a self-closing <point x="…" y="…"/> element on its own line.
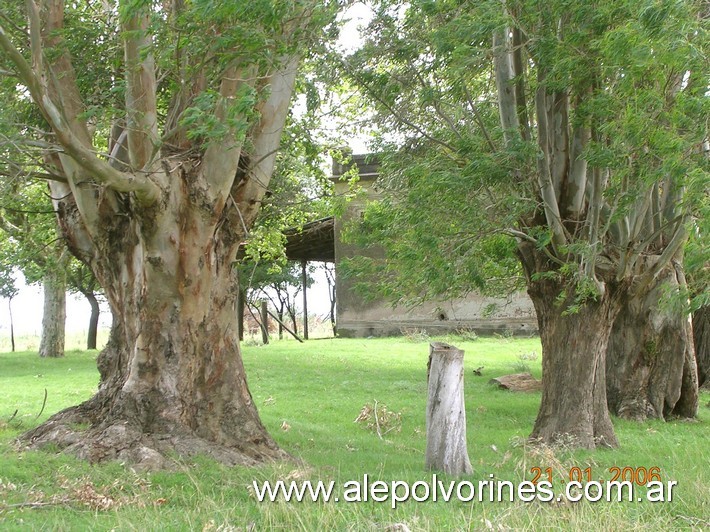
<point x="159" y="210"/>
<point x="33" y="247"/>
<point x="578" y="131"/>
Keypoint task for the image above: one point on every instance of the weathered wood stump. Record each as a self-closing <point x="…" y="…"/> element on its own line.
<point x="445" y="412"/>
<point x="517" y="382"/>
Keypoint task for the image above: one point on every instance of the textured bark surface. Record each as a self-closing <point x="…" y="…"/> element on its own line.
<point x="651" y="370"/>
<point x="159" y="220"/>
<point x="446" y="412"/>
<point x="172" y="378"/>
<point x="54" y="316"/>
<point x="573" y="410"/>
<point x="591" y="225"/>
<point x="701" y="336"/>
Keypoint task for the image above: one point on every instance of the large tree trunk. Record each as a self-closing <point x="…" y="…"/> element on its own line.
<point x="172" y="377"/>
<point x="573" y="411"/>
<point x="93" y="320"/>
<point x="54" y="317"/>
<point x="651" y="371"/>
<point x="701" y="336"/>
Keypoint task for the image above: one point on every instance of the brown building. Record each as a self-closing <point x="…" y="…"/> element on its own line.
<point x="359" y="318"/>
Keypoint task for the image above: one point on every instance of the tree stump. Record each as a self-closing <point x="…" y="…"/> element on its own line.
<point x="445" y="413"/>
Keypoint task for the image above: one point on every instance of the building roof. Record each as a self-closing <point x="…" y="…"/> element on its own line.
<point x="315" y="241"/>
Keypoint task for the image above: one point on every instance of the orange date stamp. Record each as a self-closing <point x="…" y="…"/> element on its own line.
<point x="580" y="483"/>
<point x="640" y="476"/>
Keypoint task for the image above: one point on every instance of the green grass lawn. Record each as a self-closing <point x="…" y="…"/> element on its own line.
<point x="309" y="396"/>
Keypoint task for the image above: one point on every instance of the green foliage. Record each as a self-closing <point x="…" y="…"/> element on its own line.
<point x="435" y="241"/>
<point x="632" y="73"/>
<point x="202" y="123"/>
<point x="28" y="228"/>
<point x="299" y="192"/>
<point x="432" y="222"/>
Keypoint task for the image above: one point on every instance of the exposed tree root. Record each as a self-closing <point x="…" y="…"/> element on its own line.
<point x="71" y="431"/>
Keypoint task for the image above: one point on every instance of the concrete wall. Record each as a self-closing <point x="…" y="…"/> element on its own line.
<point x="358" y="318"/>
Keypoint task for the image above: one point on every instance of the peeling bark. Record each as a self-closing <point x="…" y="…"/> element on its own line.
<point x="573" y="411"/>
<point x="172" y="378"/>
<point x="159" y="227"/>
<point x="651" y="370"/>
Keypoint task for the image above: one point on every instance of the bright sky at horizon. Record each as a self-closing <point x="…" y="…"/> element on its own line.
<point x="27" y="308"/>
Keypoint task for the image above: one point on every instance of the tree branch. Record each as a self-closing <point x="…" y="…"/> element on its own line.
<point x="146" y="191"/>
<point x="594" y="218"/>
<point x="558" y="139"/>
<point x="577" y="181"/>
<point x="266" y="140"/>
<point x="398" y="116"/>
<point x="674" y="246"/>
<point x="477" y="117"/>
<point x="436" y="104"/>
<point x="544" y="178"/>
<point x="518" y="66"/>
<point x="506" y="91"/>
<point x="141" y="106"/>
<point x="35" y="36"/>
<point x="221" y="160"/>
<point x="524" y="236"/>
<point x="47" y="176"/>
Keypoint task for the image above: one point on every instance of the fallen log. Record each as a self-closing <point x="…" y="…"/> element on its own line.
<point x="517" y="382"/>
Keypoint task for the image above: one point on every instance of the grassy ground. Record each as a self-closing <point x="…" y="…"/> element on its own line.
<point x="74" y="340"/>
<point x="309" y="396"/>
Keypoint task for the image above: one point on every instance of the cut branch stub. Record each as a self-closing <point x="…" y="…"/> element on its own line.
<point x="445" y="413"/>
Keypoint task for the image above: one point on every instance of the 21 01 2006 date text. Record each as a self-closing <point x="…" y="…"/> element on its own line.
<point x="636" y="475"/>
